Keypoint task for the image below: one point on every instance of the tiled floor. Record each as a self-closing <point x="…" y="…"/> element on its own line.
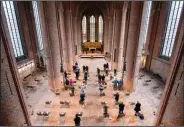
<point x="148" y="95"/>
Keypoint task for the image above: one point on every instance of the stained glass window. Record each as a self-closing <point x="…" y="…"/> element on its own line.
<point x="100" y="36"/>
<point x="84" y="30"/>
<point x="92" y="28"/>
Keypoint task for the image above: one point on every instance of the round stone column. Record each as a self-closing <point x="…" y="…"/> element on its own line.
<point x="132" y="43"/>
<point x="52" y="47"/>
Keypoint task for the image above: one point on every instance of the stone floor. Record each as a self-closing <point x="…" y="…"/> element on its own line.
<point x="149" y="95"/>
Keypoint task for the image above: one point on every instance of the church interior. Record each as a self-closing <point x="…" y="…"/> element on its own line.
<point x="92" y="63"/>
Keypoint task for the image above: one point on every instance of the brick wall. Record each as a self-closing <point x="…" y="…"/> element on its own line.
<point x="174" y="113"/>
<point x="11" y="112"/>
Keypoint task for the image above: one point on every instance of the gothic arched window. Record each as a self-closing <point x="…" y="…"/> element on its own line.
<point x="100" y="35"/>
<point x="38" y="24"/>
<point x="84" y="31"/>
<point x="13" y="26"/>
<point x="92" y="28"/>
<point x="171" y="28"/>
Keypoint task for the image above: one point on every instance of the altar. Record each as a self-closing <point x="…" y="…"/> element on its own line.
<point x="92" y="46"/>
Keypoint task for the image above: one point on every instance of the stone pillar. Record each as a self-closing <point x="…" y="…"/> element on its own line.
<point x="105" y="33"/>
<point x="122" y="36"/>
<point x="68" y="31"/>
<point x="52" y="47"/>
<point x="140" y="43"/>
<point x="64" y="48"/>
<point x="79" y="33"/>
<point x="132" y="42"/>
<point x="116" y="38"/>
<point x="96" y="28"/>
<point x="88" y="28"/>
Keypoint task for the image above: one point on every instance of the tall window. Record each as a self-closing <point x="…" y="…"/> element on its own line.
<point x="92" y="28"/>
<point x="145" y="20"/>
<point x="37" y="23"/>
<point x="84" y="33"/>
<point x="13" y="28"/>
<point x="171" y="28"/>
<point x="100" y="36"/>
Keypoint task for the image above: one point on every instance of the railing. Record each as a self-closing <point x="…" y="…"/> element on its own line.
<point x="26" y="69"/>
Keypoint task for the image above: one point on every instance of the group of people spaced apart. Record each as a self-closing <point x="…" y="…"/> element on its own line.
<point x="121" y="106"/>
<point x="102" y="83"/>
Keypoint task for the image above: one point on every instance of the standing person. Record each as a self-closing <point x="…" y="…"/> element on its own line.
<point x="115" y="72"/>
<point x="104" y="66"/>
<point x="120" y="84"/>
<point x="107" y="72"/>
<point x="71" y="82"/>
<point x="103" y="78"/>
<point x="98" y="71"/>
<point x="137" y="108"/>
<point x="82" y="96"/>
<point x="86" y="77"/>
<point x="99" y="78"/>
<point x="116" y="97"/>
<point x="65" y="74"/>
<point x="87" y="69"/>
<point x="84" y="68"/>
<point x="67" y="82"/>
<point x="77" y="120"/>
<point x="115" y="83"/>
<point x="105" y="109"/>
<point x="77" y="71"/>
<point x="107" y="65"/>
<point x="74" y="67"/>
<point x="121" y="108"/>
<point x="101" y="88"/>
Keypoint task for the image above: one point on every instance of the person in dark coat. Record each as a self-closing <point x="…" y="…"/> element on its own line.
<point x="115" y="72"/>
<point x="137" y="108"/>
<point x="116" y="97"/>
<point x="121" y="108"/>
<point x="87" y="69"/>
<point x="65" y="74"/>
<point x="84" y="68"/>
<point x="103" y="78"/>
<point x="82" y="97"/>
<point x="104" y="67"/>
<point x="67" y="82"/>
<point x="99" y="78"/>
<point x="107" y="65"/>
<point x="74" y="67"/>
<point x="77" y="120"/>
<point x="98" y="71"/>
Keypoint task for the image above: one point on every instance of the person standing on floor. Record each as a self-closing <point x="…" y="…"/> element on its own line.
<point x="87" y="69"/>
<point x="115" y="72"/>
<point x="103" y="79"/>
<point x="98" y="71"/>
<point x="85" y="77"/>
<point x="77" y="120"/>
<point x="99" y="78"/>
<point x="84" y="68"/>
<point x="137" y="108"/>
